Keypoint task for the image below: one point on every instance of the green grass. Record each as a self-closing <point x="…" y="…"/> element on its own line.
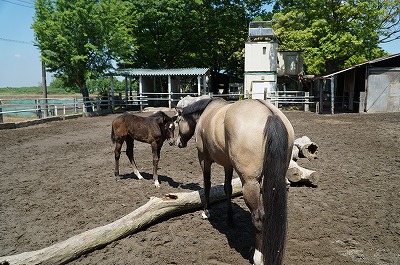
<point x="31" y="91"/>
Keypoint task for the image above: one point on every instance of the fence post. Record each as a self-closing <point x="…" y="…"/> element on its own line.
<point x="38" y="109"/>
<point x="1" y="113"/>
<point x="141" y="92"/>
<point x="51" y="110"/>
<point x="98" y="104"/>
<point x="306" y="106"/>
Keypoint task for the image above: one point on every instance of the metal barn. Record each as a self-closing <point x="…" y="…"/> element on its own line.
<point x="370" y="87"/>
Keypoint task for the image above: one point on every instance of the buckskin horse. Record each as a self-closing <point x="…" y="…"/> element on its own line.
<point x="255" y="139"/>
<point x="154" y="129"/>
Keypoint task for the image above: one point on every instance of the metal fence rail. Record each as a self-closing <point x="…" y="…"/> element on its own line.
<point x="50" y="107"/>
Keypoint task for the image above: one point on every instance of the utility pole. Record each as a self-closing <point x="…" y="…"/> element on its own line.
<point x="46" y="107"/>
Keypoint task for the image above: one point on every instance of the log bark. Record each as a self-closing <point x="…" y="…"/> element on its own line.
<point x="154" y="209"/>
<point x="297" y="173"/>
<point x="307" y="148"/>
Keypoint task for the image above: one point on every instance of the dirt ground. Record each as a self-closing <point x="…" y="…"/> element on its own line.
<point x="57" y="181"/>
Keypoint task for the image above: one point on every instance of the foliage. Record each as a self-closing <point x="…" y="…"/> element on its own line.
<point x="31" y="91"/>
<point x="60" y="84"/>
<point x="334" y="34"/>
<point x="79" y="39"/>
<point x="99" y="86"/>
<point x="190" y="33"/>
<point x="82" y="39"/>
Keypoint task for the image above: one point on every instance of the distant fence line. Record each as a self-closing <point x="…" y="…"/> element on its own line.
<point x="52" y="107"/>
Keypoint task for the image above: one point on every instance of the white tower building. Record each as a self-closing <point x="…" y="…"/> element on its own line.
<point x="261" y="61"/>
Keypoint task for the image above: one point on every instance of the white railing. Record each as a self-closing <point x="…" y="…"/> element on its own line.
<point x="42" y="108"/>
<point x="51" y="107"/>
<point x="281" y="99"/>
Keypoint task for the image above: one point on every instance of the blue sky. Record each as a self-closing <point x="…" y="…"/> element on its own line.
<point x="20" y="60"/>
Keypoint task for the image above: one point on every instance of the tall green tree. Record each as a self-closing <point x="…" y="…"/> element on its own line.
<point x="79" y="39"/>
<point x="335" y="34"/>
<point x="187" y="33"/>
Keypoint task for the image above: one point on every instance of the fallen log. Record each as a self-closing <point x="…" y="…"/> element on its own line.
<point x="296" y="173"/>
<point x="306" y="148"/>
<point x="88" y="241"/>
<point x="295" y="153"/>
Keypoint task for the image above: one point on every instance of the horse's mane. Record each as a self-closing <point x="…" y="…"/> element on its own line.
<point x="196" y="107"/>
<point x="158" y="114"/>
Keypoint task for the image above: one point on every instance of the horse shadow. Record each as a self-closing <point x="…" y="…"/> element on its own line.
<point x="163" y="178"/>
<point x="191" y="186"/>
<point x="148" y="176"/>
<point x="240" y="232"/>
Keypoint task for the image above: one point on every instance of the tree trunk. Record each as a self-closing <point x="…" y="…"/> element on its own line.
<point x="154" y="209"/>
<point x="86" y="98"/>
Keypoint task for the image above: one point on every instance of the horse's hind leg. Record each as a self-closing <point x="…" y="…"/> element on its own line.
<point x="206" y="167"/>
<point x="253" y="198"/>
<point x="129" y="153"/>
<point x="228" y="192"/>
<point x="117" y="155"/>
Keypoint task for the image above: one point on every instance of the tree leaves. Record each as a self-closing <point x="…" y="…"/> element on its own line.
<point x="335" y="34"/>
<point x="79" y="39"/>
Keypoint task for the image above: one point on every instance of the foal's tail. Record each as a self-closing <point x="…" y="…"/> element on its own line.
<point x="112" y="134"/>
<point x="276" y="161"/>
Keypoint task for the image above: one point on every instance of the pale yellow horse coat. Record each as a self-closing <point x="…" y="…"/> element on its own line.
<point x="235" y="136"/>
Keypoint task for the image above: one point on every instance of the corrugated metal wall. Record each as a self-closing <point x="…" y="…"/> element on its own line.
<point x="383" y="94"/>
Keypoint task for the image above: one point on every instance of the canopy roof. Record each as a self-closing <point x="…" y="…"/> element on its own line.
<point x="159" y="72"/>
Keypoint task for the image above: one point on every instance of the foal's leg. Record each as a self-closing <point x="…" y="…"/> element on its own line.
<point x="228" y="192"/>
<point x="129" y="153"/>
<point x="117" y="155"/>
<point x="156" y="149"/>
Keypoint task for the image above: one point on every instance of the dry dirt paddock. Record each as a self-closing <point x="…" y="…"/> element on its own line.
<point x="57" y="181"/>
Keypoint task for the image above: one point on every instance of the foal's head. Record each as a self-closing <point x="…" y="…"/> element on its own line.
<point x="167" y="125"/>
<point x="169" y="130"/>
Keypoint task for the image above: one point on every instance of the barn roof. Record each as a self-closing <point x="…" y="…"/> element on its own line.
<point x="159" y="72"/>
<point x="391" y="61"/>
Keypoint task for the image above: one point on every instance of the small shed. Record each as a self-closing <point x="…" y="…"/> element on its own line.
<point x="165" y="85"/>
<point x="372" y="86"/>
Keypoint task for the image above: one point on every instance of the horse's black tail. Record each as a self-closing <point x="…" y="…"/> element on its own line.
<point x="276" y="162"/>
<point x="112" y="134"/>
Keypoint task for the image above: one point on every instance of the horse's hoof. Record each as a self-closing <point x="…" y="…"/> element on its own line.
<point x="138" y="175"/>
<point x="157" y="184"/>
<point x="205" y="215"/>
<point x="258" y="258"/>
